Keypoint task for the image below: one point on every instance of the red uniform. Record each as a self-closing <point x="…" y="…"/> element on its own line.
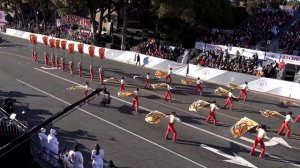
<point x="57" y="62"/>
<point x="35" y="55"/>
<point x="243" y="92"/>
<point x="198" y="87"/>
<point x="122" y="87"/>
<point x="229" y="101"/>
<point x="298" y="118"/>
<point x="285" y="125"/>
<point x="135" y="101"/>
<point x="259" y="139"/>
<point x="101" y="76"/>
<point x="168" y="77"/>
<point x="91" y="73"/>
<point x="52" y="60"/>
<point x="63" y="64"/>
<point x="79" y="69"/>
<point x="213" y="107"/>
<point x="147" y="82"/>
<point x="171" y="128"/>
<point x="71" y="67"/>
<point x="168" y="95"/>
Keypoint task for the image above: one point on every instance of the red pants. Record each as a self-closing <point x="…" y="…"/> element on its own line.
<point x="46" y="58"/>
<point x="168" y="79"/>
<point x="34" y="57"/>
<point x="243" y="92"/>
<point x="147" y="83"/>
<point x="80" y="70"/>
<point x="135" y="103"/>
<point x="57" y="62"/>
<point x="53" y="61"/>
<point x="122" y="88"/>
<point x="199" y="88"/>
<point x="285" y="124"/>
<point x="262" y="145"/>
<point x="71" y="67"/>
<point x="298" y="118"/>
<point x="92" y="74"/>
<point x="229" y="101"/>
<point x="168" y="95"/>
<point x="101" y="78"/>
<point x="212" y="114"/>
<point x="171" y="128"/>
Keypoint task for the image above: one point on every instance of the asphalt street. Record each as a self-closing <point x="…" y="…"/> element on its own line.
<point x="123" y="134"/>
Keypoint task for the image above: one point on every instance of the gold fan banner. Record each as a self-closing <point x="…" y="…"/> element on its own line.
<point x="198" y="105"/>
<point x="160" y="74"/>
<point x="125" y="94"/>
<point x="154" y="117"/>
<point x="233" y="86"/>
<point x="269" y="114"/>
<point x="187" y="81"/>
<point x="111" y="79"/>
<point x="75" y="88"/>
<point x="221" y="91"/>
<point x="158" y="85"/>
<point x="242" y="126"/>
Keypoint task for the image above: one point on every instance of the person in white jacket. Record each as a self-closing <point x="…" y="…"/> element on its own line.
<point x="43" y="142"/>
<point x="53" y="147"/>
<point x="97" y="157"/>
<point x="76" y="157"/>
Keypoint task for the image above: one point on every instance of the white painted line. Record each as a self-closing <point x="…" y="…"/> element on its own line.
<point x="121" y="128"/>
<point x="189" y="125"/>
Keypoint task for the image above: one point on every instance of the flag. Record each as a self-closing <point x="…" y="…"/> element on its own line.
<point x="154" y="117"/>
<point x="242" y="126"/>
<point x="269" y="114"/>
<point x="198" y="105"/>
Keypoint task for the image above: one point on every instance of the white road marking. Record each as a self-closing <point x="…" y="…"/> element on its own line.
<point x="232" y="159"/>
<point x="121" y="128"/>
<point x="48" y="67"/>
<point x="189" y="125"/>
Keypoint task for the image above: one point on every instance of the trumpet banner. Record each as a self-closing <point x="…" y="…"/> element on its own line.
<point x="221" y="91"/>
<point x="187" y="81"/>
<point x="269" y="114"/>
<point x="75" y="88"/>
<point x="242" y="126"/>
<point x="154" y="117"/>
<point x="160" y="74"/>
<point x="198" y="105"/>
<point x="125" y="94"/>
<point x="233" y="86"/>
<point x="158" y="85"/>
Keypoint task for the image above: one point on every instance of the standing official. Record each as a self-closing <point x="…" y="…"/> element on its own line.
<point x="147" y="81"/>
<point x="213" y="107"/>
<point x="198" y="86"/>
<point x="168" y="95"/>
<point x="285" y="124"/>
<point x="229" y="100"/>
<point x="261" y="129"/>
<point x="135" y="100"/>
<point x="243" y="92"/>
<point x="122" y="85"/>
<point x="171" y="127"/>
<point x="168" y="77"/>
<point x="138" y="59"/>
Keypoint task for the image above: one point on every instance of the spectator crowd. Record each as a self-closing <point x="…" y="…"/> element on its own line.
<point x="290" y="41"/>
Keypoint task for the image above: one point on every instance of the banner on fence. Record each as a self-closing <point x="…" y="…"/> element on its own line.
<point x="291" y="59"/>
<point x="200" y="45"/>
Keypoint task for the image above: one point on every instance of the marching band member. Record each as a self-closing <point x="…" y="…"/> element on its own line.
<point x="46" y="59"/>
<point x="147" y="81"/>
<point x="135" y="100"/>
<point x="101" y="75"/>
<point x="63" y="64"/>
<point x="168" y="95"/>
<point x="298" y="118"/>
<point x="213" y="107"/>
<point x="35" y="57"/>
<point x="91" y="72"/>
<point x="171" y="127"/>
<point x="122" y="85"/>
<point x="168" y="77"/>
<point x="79" y="65"/>
<point x="261" y="129"/>
<point x="198" y="86"/>
<point x="244" y="91"/>
<point x="285" y="124"/>
<point x="229" y="100"/>
<point x="71" y="67"/>
<point x="86" y="89"/>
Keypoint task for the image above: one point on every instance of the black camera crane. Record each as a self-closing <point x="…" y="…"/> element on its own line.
<point x="21" y="139"/>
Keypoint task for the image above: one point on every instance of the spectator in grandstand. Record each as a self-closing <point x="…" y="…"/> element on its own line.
<point x="53" y="147"/>
<point x="64" y="157"/>
<point x="43" y="142"/>
<point x="76" y="157"/>
<point x="97" y="157"/>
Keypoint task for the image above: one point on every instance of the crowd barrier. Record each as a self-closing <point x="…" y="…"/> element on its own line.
<point x="260" y="84"/>
<point x="289" y="59"/>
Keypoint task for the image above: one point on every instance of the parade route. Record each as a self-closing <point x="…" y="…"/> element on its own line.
<point x="123" y="134"/>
